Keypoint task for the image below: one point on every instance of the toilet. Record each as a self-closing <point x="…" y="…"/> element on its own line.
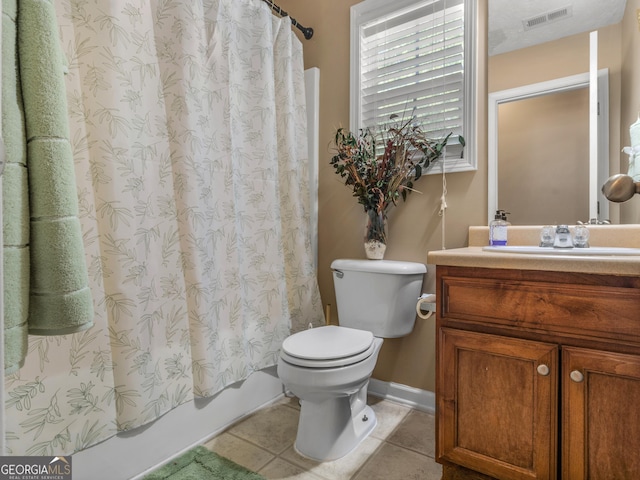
<point x="328" y="368"/>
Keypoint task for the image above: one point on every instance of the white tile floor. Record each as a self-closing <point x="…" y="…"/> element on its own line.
<point x="400" y="448"/>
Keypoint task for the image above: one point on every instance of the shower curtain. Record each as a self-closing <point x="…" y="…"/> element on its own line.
<point x="189" y="135"/>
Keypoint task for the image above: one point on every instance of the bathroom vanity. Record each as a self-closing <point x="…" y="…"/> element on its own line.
<point x="538" y="364"/>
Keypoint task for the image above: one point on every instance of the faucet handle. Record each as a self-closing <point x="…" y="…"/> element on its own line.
<point x="581" y="236"/>
<point x="547" y="236"/>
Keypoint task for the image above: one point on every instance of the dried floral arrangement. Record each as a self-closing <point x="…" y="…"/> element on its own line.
<point x="379" y="180"/>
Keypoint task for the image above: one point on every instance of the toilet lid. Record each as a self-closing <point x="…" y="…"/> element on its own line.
<point x="327" y="343"/>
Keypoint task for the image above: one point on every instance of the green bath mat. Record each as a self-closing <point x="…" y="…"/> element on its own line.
<point x="202" y="464"/>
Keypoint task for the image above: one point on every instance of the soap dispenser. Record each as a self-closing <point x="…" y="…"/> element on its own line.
<point x="498" y="229"/>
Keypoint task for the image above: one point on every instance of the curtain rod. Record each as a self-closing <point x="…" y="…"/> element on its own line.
<point x="306" y="31"/>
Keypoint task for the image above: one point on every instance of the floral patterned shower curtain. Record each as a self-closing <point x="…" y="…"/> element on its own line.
<point x="189" y="135"/>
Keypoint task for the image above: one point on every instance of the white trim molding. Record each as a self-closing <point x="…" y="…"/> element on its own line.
<point x="423" y="400"/>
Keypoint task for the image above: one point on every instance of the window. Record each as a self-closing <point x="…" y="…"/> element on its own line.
<point x="415" y="57"/>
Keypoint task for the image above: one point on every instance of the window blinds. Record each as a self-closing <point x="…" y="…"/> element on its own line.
<point x="412" y="62"/>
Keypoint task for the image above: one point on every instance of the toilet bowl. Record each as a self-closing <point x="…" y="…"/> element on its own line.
<point x="328" y="368"/>
<point x="334" y="415"/>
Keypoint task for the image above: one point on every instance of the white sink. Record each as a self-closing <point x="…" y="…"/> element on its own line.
<point x="533" y="250"/>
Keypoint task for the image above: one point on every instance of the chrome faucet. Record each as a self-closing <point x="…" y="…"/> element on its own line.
<point x="563" y="237"/>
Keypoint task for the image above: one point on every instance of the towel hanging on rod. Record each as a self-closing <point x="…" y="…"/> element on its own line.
<point x="306" y="31"/>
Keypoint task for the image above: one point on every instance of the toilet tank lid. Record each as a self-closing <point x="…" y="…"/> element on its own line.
<point x="379" y="266"/>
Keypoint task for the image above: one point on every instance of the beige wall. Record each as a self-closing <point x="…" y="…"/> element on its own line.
<point x="414" y="227"/>
<point x="544" y="158"/>
<point x="560" y="58"/>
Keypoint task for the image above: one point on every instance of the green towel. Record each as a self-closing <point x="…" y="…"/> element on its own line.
<point x="45" y="279"/>
<point x="60" y="299"/>
<point x="15" y="202"/>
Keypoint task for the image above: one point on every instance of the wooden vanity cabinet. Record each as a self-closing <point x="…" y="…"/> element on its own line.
<point x="538" y="375"/>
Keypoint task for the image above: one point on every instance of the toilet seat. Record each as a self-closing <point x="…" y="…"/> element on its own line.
<point x="327" y="347"/>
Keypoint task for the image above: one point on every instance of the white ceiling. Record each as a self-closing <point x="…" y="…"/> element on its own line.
<point x="506" y="20"/>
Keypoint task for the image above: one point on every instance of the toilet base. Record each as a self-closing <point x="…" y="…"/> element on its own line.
<point x="331" y="428"/>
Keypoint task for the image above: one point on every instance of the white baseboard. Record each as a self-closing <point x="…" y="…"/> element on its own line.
<point x="413" y="397"/>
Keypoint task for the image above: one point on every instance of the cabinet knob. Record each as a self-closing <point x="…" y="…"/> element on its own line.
<point x="577" y="376"/>
<point x="543" y="370"/>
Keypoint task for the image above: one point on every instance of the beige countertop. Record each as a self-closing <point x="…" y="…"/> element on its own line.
<point x="600" y="236"/>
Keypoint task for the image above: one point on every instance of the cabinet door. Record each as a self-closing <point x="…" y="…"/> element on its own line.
<point x="600" y="415"/>
<point x="497" y="408"/>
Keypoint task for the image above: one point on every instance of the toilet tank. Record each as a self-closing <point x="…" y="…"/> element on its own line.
<point x="378" y="295"/>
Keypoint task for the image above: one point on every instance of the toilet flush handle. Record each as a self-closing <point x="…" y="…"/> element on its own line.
<point x="339" y="273"/>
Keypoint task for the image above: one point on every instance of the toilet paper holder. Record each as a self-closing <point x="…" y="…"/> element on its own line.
<point x="426" y="303"/>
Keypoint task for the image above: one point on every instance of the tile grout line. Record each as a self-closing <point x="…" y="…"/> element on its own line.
<point x="289" y="463"/>
<point x="370" y="457"/>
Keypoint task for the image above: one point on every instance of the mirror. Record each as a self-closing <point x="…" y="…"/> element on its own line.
<point x="526" y="64"/>
<point x="539" y="164"/>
